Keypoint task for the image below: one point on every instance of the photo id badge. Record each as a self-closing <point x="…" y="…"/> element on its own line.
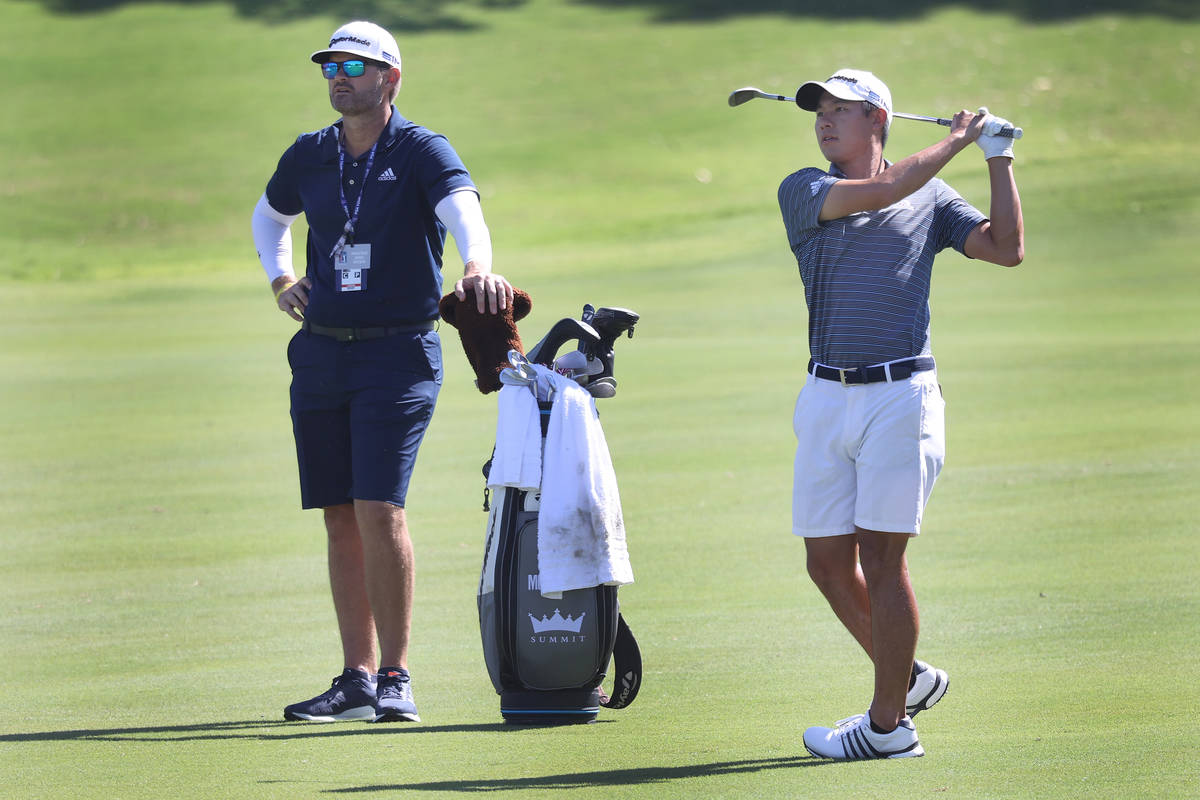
<point x="352" y="264"/>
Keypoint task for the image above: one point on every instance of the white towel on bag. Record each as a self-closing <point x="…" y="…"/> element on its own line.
<point x="581" y="533"/>
<point x="517" y="460"/>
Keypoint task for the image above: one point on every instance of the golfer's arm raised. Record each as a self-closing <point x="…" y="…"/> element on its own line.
<point x="850" y="196"/>
<point x="1000" y="239"/>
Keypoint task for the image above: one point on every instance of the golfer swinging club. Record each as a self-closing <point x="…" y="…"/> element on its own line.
<point x="379" y="193"/>
<point x="869" y="421"/>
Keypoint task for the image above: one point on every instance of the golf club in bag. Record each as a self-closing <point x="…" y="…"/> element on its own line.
<point x="548" y="657"/>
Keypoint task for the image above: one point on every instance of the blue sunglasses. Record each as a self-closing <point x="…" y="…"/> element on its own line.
<point x="353" y="69"/>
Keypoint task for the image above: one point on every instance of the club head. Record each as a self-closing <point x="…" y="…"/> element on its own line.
<point x="745" y="95"/>
<point x="520" y="365"/>
<point x="748" y="93"/>
<point x="610" y="323"/>
<point x="510" y="377"/>
<point x="603" y="387"/>
<point x="571" y="362"/>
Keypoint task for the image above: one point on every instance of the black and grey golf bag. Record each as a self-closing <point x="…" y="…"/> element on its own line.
<point x="547" y="658"/>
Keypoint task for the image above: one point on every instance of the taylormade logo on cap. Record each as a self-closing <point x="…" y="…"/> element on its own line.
<point x="364" y="39"/>
<point x="847" y="84"/>
<point x="355" y="39"/>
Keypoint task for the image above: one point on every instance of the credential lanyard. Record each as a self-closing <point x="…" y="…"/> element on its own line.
<point x="351" y="219"/>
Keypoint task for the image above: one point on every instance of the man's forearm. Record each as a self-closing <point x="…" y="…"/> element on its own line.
<point x="894" y="183"/>
<point x="1007" y="228"/>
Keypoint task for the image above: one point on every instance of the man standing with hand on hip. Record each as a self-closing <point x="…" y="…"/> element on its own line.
<point x="379" y="194"/>
<point x="869" y="421"/>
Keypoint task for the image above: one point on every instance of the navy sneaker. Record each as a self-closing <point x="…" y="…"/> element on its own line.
<point x="351" y="697"/>
<point x="394" y="696"/>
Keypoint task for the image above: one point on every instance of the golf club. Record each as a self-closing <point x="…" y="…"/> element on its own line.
<point x="745" y="95"/>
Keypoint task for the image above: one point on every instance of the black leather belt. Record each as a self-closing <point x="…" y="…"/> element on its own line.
<point x="895" y="371"/>
<point x="362" y="334"/>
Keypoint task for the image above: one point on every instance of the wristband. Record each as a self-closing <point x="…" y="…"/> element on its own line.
<point x="283" y="289"/>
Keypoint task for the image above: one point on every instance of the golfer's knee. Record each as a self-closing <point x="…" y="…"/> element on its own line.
<point x="882" y="572"/>
<point x="340" y="522"/>
<point x="379" y="517"/>
<point x="828" y="573"/>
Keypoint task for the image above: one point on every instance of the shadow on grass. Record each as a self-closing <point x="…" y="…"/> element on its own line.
<point x="264" y="730"/>
<point x="427" y="15"/>
<point x="607" y="777"/>
<point x="248" y="729"/>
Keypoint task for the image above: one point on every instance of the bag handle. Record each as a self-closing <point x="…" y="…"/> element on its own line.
<point x="627" y="664"/>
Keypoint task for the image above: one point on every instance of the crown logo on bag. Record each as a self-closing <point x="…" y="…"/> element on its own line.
<point x="557" y="623"/>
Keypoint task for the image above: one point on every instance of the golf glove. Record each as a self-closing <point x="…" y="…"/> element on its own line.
<point x="994" y="146"/>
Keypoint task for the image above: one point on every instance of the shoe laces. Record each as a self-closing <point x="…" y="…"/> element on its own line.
<point x="395" y="687"/>
<point x="341" y="683"/>
<point x="849" y="722"/>
<point x="340" y="680"/>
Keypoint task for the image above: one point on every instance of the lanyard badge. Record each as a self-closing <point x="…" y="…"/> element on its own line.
<point x="351" y="264"/>
<point x="351" y="260"/>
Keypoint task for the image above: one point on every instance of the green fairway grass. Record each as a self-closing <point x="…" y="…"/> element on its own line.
<point x="162" y="597"/>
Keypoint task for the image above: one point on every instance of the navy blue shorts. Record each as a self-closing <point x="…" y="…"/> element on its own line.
<point x="359" y="412"/>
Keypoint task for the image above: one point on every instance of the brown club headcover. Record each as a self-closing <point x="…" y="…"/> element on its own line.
<point x="486" y="338"/>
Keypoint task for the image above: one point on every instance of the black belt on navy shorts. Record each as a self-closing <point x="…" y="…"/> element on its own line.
<point x="362" y="334"/>
<point x="894" y="371"/>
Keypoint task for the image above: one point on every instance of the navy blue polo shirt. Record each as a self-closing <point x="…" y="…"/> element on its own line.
<point x="414" y="169"/>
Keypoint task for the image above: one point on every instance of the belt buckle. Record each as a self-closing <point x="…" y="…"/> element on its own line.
<point x="842" y="375"/>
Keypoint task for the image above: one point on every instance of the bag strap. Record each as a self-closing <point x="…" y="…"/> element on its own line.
<point x="627" y="664"/>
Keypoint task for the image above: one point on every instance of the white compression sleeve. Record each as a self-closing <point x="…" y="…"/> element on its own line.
<point x="272" y="239"/>
<point x="462" y="215"/>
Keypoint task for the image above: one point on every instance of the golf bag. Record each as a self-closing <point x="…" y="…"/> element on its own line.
<point x="548" y="657"/>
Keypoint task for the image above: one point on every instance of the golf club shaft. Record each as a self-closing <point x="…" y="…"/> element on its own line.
<point x="749" y="93"/>
<point x="920" y="118"/>
<point x="1007" y="132"/>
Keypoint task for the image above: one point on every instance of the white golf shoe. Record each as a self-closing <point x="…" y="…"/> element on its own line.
<point x="853" y="739"/>
<point x="929" y="686"/>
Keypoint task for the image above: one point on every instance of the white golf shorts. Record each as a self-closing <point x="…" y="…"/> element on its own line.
<point x="866" y="455"/>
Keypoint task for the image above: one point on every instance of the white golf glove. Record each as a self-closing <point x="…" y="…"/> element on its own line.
<point x="994" y="146"/>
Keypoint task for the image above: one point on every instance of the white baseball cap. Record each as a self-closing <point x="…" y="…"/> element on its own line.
<point x="364" y="39"/>
<point x="847" y="84"/>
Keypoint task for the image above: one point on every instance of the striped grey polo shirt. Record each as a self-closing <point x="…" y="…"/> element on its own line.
<point x="866" y="276"/>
